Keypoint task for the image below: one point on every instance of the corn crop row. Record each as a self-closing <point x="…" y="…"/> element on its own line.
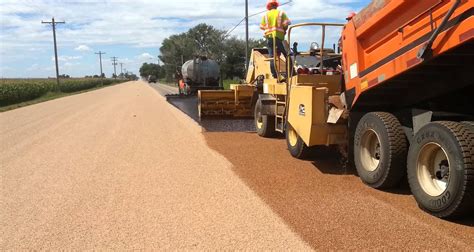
<point x="19" y="90"/>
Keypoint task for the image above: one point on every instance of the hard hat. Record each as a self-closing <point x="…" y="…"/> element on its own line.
<point x="350" y="16"/>
<point x="271" y="3"/>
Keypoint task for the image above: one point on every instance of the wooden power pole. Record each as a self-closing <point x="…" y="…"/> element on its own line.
<point x="246" y="34"/>
<point x="114" y="63"/>
<point x="100" y="61"/>
<point x="53" y="23"/>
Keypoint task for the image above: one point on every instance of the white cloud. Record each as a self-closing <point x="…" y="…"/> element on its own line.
<point x="95" y="22"/>
<point x="144" y="57"/>
<point x="66" y="58"/>
<point x="83" y="48"/>
<point x="138" y="24"/>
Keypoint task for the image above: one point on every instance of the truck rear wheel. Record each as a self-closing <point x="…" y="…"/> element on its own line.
<point x="469" y="124"/>
<point x="441" y="168"/>
<point x="380" y="150"/>
<point x="264" y="124"/>
<point x="296" y="146"/>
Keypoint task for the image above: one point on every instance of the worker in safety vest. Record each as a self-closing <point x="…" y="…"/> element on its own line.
<point x="274" y="24"/>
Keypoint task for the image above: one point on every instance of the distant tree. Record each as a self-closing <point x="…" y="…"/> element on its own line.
<point x="174" y="51"/>
<point x="102" y="75"/>
<point x="205" y="40"/>
<point x="131" y="76"/>
<point x="148" y="69"/>
<point x="96" y="76"/>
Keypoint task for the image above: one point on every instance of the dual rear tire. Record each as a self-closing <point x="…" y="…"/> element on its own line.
<point x="439" y="161"/>
<point x="441" y="168"/>
<point x="380" y="150"/>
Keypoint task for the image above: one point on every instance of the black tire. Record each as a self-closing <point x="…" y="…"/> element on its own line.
<point x="296" y="145"/>
<point x="469" y="124"/>
<point x="383" y="164"/>
<point x="264" y="124"/>
<point x="456" y="142"/>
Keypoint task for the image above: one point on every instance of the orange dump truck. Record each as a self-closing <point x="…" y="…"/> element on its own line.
<point x="409" y="86"/>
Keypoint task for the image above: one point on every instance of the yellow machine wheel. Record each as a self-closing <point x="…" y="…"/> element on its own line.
<point x="264" y="124"/>
<point x="296" y="146"/>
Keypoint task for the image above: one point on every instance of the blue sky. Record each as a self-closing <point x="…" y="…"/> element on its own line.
<point x="130" y="30"/>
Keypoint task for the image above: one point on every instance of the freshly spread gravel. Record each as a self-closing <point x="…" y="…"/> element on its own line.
<point x="119" y="168"/>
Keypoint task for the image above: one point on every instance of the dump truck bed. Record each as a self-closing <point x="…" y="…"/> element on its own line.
<point x="380" y="47"/>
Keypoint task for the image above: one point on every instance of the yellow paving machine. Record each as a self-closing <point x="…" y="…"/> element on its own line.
<point x="313" y="80"/>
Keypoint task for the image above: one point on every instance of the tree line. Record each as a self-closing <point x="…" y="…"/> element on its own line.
<point x="201" y="40"/>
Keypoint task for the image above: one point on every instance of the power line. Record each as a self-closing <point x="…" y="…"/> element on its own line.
<point x="252" y="15"/>
<point x="53" y="23"/>
<point x="233" y="28"/>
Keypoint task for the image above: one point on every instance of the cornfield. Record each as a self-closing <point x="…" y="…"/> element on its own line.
<point x="14" y="91"/>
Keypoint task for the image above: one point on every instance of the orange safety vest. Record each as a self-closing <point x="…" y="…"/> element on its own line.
<point x="274" y="23"/>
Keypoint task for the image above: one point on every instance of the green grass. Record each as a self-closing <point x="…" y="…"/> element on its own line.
<point x="228" y="82"/>
<point x="168" y="83"/>
<point x="16" y="93"/>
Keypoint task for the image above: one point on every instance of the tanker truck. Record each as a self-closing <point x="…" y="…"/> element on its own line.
<point x="398" y="105"/>
<point x="200" y="73"/>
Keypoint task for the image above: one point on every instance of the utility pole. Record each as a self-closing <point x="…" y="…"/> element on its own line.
<point x="53" y="23"/>
<point x="100" y="60"/>
<point x="114" y="62"/>
<point x="246" y="34"/>
<point x="121" y="71"/>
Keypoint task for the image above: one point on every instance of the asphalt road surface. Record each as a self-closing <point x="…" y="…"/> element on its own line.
<point x="120" y="168"/>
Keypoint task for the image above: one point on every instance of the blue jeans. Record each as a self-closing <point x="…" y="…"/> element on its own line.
<point x="279" y="46"/>
<point x="280" y="50"/>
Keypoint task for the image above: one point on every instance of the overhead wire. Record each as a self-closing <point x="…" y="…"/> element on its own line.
<point x="252" y="15"/>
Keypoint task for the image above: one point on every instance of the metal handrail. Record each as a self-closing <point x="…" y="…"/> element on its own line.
<point x="323" y="25"/>
<point x="288" y="62"/>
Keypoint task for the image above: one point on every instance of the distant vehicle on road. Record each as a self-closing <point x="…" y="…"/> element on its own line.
<point x="151" y="79"/>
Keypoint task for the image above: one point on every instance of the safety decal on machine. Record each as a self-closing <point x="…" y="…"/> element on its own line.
<point x="353" y="71"/>
<point x="301" y="110"/>
<point x="364" y="85"/>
